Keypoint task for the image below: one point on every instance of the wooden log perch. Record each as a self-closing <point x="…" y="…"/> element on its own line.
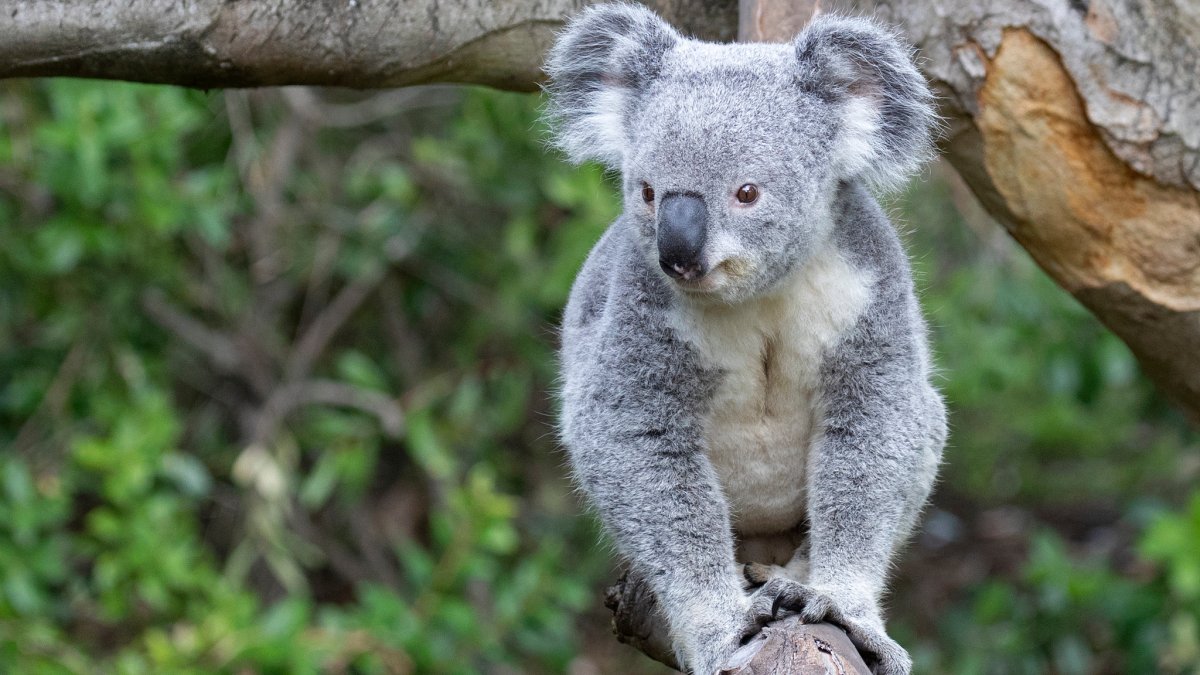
<point x="786" y="646"/>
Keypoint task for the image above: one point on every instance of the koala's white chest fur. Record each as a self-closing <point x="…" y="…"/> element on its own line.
<point x="764" y="416"/>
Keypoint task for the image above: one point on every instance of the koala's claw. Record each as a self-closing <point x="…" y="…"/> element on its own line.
<point x="883" y="654"/>
<point x="812" y="605"/>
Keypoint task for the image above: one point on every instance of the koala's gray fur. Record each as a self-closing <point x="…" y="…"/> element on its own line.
<point x="784" y="395"/>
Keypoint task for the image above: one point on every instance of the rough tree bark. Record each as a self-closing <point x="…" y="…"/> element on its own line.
<point x="1077" y="124"/>
<point x="350" y="43"/>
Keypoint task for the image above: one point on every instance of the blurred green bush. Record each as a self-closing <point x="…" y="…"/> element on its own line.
<point x="275" y="396"/>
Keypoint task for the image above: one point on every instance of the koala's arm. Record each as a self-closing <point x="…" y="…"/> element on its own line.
<point x="884" y="426"/>
<point x="633" y="399"/>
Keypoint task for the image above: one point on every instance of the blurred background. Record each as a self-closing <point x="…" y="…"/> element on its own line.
<point x="276" y="396"/>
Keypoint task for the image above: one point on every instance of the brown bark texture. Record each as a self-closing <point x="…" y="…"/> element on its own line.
<point x="1077" y="125"/>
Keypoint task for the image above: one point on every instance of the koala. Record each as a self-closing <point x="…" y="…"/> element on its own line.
<point x="746" y="395"/>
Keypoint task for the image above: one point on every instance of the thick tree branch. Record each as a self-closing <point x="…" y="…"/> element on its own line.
<point x="350" y="43"/>
<point x="1077" y="124"/>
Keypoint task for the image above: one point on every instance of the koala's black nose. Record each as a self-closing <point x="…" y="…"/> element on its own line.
<point x="682" y="227"/>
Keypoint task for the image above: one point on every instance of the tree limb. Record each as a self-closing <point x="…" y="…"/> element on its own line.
<point x="291" y="395"/>
<point x="222" y="352"/>
<point x="350" y="43"/>
<point x="1077" y="125"/>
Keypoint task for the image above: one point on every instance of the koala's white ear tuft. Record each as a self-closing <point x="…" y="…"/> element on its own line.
<point x="604" y="57"/>
<point x="887" y="110"/>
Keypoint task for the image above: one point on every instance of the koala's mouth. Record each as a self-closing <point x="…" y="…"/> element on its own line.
<point x="715" y="279"/>
<point x="700" y="286"/>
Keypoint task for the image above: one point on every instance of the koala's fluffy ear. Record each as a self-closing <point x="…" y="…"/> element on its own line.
<point x="888" y="116"/>
<point x="600" y="62"/>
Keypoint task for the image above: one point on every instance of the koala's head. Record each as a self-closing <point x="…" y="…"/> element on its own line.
<point x="730" y="155"/>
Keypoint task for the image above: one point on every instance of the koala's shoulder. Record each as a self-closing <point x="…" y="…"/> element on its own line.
<point x="615" y="285"/>
<point x="618" y="326"/>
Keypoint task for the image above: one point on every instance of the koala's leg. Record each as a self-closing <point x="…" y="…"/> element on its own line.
<point x="633" y="414"/>
<point x="868" y="477"/>
<point x="758" y="574"/>
<point x="660" y="499"/>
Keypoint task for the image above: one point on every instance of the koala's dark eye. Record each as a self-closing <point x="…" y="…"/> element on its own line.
<point x="747" y="193"/>
<point x="647" y="193"/>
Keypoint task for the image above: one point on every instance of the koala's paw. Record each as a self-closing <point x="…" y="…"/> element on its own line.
<point x="778" y="595"/>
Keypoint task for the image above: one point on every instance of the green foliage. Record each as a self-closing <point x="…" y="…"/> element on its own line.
<point x="1048" y="410"/>
<point x="1076" y="615"/>
<point x="130" y="198"/>
<point x="1040" y="393"/>
<point x="1061" y="616"/>
<point x="274" y="399"/>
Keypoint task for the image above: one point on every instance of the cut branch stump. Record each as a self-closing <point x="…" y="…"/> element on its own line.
<point x="785" y="647"/>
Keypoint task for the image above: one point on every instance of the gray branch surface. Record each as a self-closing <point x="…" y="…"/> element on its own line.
<point x="1134" y="63"/>
<point x="349" y="43"/>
